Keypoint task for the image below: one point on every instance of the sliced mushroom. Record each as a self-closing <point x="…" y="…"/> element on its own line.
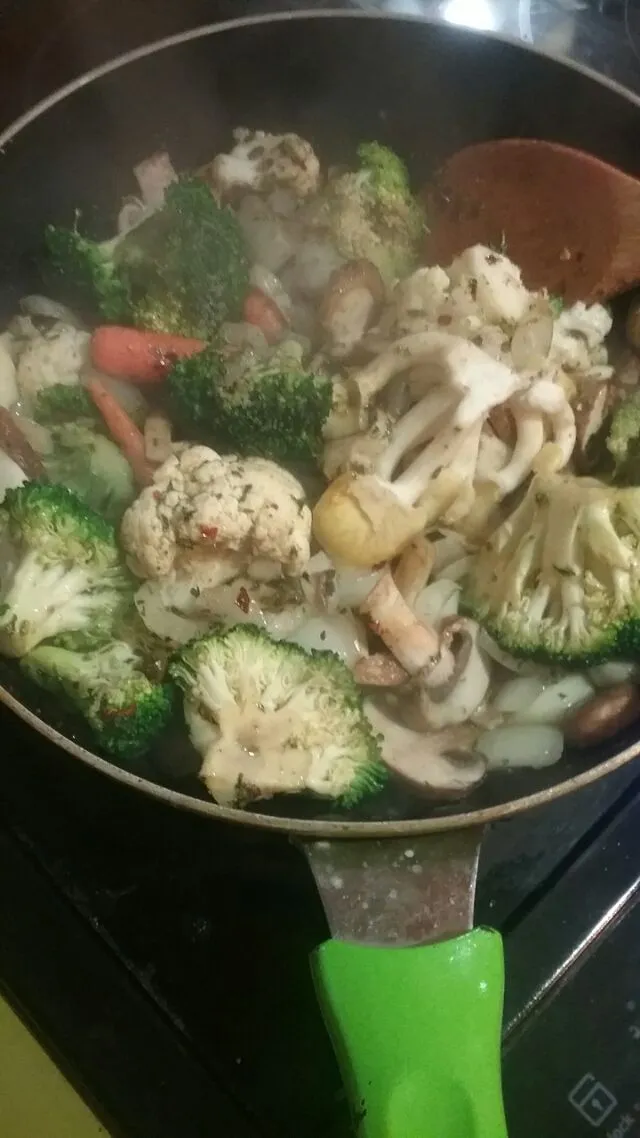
<point x="442" y="765"/>
<point x="590" y="410"/>
<point x="352" y="302"/>
<point x="452" y="699"/>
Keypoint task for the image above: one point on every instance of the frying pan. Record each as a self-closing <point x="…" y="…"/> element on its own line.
<point x="412" y="997"/>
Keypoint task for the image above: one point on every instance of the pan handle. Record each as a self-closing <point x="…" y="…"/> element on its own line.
<point x="417" y="1034"/>
<point x="413" y="1007"/>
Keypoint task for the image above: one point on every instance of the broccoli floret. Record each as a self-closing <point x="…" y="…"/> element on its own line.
<point x="123" y="708"/>
<point x="93" y="467"/>
<point x="60" y="569"/>
<point x="559" y="580"/>
<point x="64" y="403"/>
<point x="183" y="269"/>
<point x="372" y="213"/>
<point x="623" y="440"/>
<point x="91" y="269"/>
<point x="274" y="408"/>
<point x="270" y="718"/>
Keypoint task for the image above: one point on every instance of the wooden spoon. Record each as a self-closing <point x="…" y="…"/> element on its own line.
<point x="570" y="221"/>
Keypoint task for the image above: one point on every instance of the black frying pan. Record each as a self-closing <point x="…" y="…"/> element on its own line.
<point x="418" y="1030"/>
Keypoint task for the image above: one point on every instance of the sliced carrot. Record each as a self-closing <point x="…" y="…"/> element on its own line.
<point x="123" y="431"/>
<point x="261" y="310"/>
<point x="142" y="357"/>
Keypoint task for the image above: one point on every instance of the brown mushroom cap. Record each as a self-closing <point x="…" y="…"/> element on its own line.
<point x="338" y="309"/>
<point x="441" y="765"/>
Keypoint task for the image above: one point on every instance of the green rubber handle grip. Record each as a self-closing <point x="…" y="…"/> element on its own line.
<point x="417" y="1034"/>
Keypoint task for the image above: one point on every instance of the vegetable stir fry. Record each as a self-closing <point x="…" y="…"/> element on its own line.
<point x="346" y="516"/>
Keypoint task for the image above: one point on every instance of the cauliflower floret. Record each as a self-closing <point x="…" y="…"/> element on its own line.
<point x="203" y="507"/>
<point x="58" y="356"/>
<point x="578" y="339"/>
<point x="419" y="299"/>
<point x="493" y="282"/>
<point x="263" y="162"/>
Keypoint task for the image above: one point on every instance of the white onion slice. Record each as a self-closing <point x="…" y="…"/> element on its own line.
<point x="518" y="694"/>
<point x="268" y="283"/>
<point x="521" y="746"/>
<point x="557" y="700"/>
<point x="511" y="663"/>
<point x="612" y="673"/>
<point x="10" y="474"/>
<point x="531" y="342"/>
<point x="128" y="395"/>
<point x="439" y="599"/>
<point x="36" y="305"/>
<point x="341" y="634"/>
<point x="157" y="438"/>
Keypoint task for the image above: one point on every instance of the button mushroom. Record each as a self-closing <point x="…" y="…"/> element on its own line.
<point x="441" y="765"/>
<point x="352" y="302"/>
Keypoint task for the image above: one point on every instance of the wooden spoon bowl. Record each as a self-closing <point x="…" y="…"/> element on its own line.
<point x="570" y="221"/>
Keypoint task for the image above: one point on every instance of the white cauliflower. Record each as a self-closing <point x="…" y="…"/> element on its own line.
<point x="217" y="515"/>
<point x="481" y="297"/>
<point x="263" y="162"/>
<point x="57" y="356"/>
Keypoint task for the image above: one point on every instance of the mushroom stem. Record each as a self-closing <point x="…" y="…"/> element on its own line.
<point x="415" y="645"/>
<point x="529" y="443"/>
<point x="414" y="568"/>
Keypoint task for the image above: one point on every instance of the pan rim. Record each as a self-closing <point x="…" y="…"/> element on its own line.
<point x="303" y="828"/>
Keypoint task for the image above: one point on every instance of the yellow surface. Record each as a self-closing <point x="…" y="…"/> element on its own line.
<point x="36" y="1101"/>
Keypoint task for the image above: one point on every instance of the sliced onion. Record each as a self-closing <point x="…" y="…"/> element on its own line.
<point x="128" y="395"/>
<point x="37" y="436"/>
<point x="36" y="305"/>
<point x="518" y="694"/>
<point x="439" y="599"/>
<point x="132" y="212"/>
<point x="448" y="548"/>
<point x="511" y="663"/>
<point x="531" y="341"/>
<point x="153" y="175"/>
<point x="455" y="570"/>
<point x="351" y="587"/>
<point x="525" y="746"/>
<point x="612" y="673"/>
<point x="10" y="474"/>
<point x="267" y="236"/>
<point x="557" y="700"/>
<point x="341" y="634"/>
<point x="164" y="621"/>
<point x="271" y="286"/>
<point x="157" y="438"/>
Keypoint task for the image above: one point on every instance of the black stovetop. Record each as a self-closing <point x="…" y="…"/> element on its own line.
<point x="163" y="958"/>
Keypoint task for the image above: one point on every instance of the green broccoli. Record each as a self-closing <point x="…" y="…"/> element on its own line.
<point x="60" y="569"/>
<point x="183" y="269"/>
<point x="270" y="718"/>
<point x="123" y="708"/>
<point x="373" y="214"/>
<point x="274" y="408"/>
<point x="64" y="403"/>
<point x="559" y="580"/>
<point x="623" y="440"/>
<point x="93" y="467"/>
